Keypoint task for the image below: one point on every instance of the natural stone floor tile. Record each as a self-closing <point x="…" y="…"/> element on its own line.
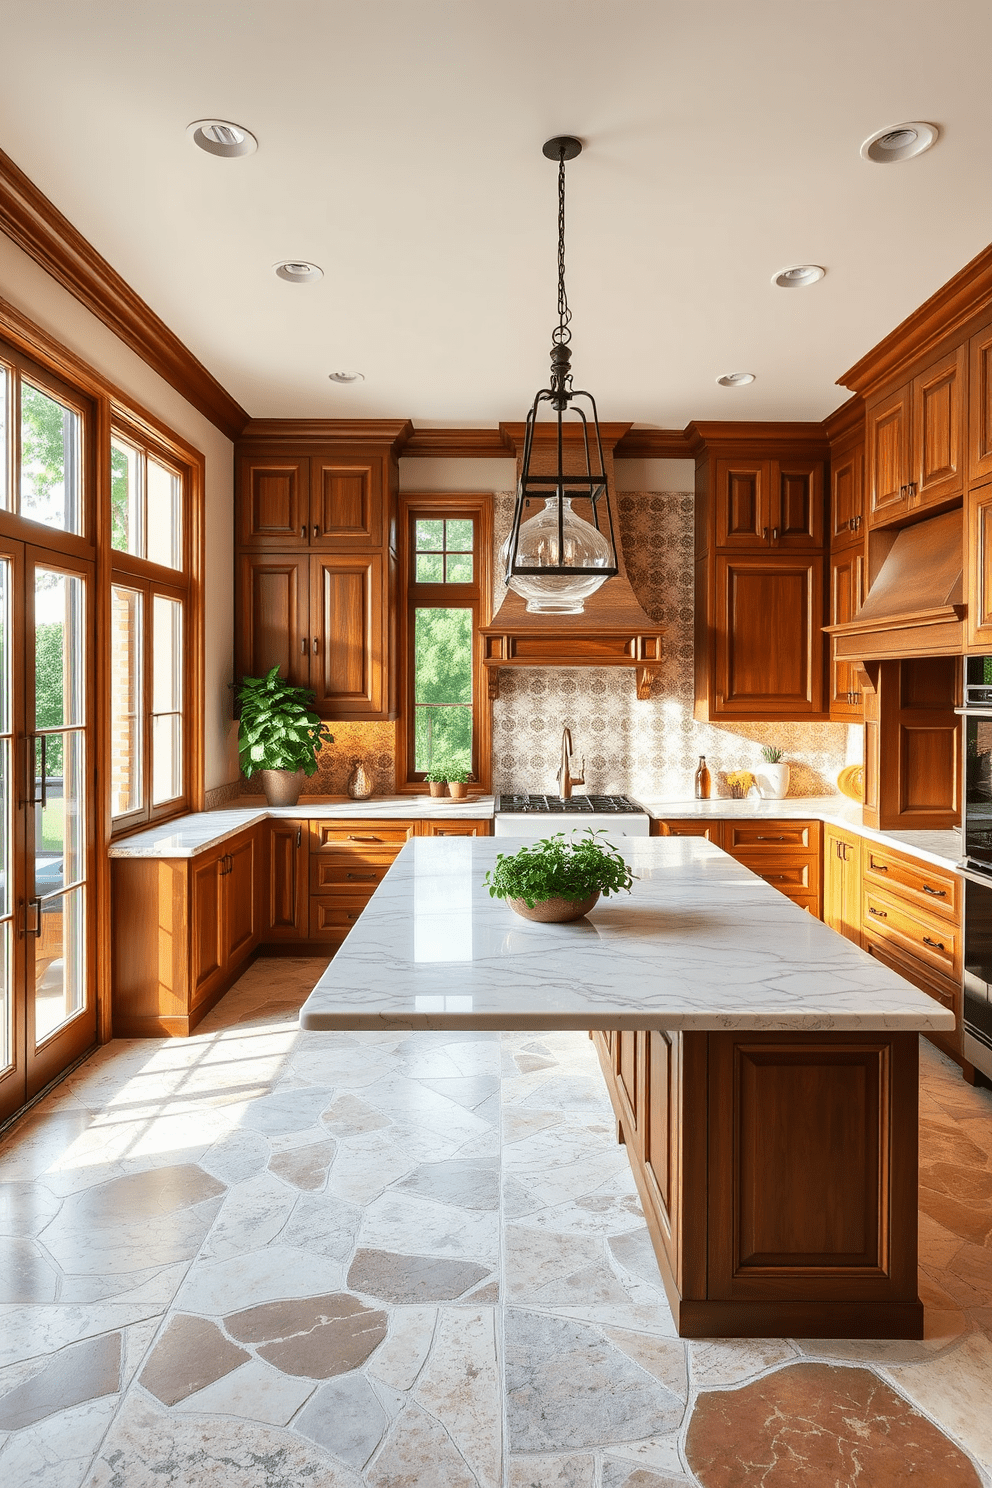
<point x="455" y="1182"/>
<point x="400" y="1221"/>
<point x="730" y="1361"/>
<point x="25" y="1274"/>
<point x="460" y="1387"/>
<point x="817" y="1423"/>
<point x="323" y="1223"/>
<point x="618" y="1474"/>
<point x="955" y="1389"/>
<point x="305" y="1167"/>
<point x="412" y="1279"/>
<point x="399" y="1360"/>
<point x="83" y="1371"/>
<point x="417" y="1439"/>
<point x="552" y="1472"/>
<point x="254" y="1391"/>
<point x="56" y="1452"/>
<point x="29" y="1332"/>
<point x="191" y="1354"/>
<point x="345" y="1416"/>
<point x="253" y="1213"/>
<point x="26" y="1207"/>
<point x="313" y="1336"/>
<point x="349" y="1116"/>
<point x="265" y="1275"/>
<point x="665" y="1358"/>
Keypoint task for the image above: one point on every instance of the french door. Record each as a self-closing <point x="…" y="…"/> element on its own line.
<point x="47" y="823"/>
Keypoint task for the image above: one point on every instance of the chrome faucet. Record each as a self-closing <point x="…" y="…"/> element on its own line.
<point x="565" y="777"/>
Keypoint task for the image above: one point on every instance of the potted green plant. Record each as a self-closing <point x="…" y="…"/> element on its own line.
<point x="555" y="880"/>
<point x="437" y="780"/>
<point x="773" y="775"/>
<point x="457" y="777"/>
<point x="279" y="736"/>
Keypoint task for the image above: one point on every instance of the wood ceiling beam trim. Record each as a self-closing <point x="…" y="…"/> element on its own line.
<point x="461" y="444"/>
<point x="966" y="295"/>
<point x="394" y="432"/>
<point x="653" y="444"/>
<point x="31" y="221"/>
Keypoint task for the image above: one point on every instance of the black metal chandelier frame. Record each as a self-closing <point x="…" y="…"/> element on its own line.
<point x="562" y="397"/>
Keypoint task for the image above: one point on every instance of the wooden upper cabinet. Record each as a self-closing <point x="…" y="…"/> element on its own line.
<point x="742" y="498"/>
<point x="980" y="417"/>
<point x="847" y="479"/>
<point x="345" y="504"/>
<point x="273" y="607"/>
<point x="978" y="567"/>
<point x="939" y="419"/>
<point x="348" y="624"/>
<point x="769" y="641"/>
<point x="846" y="595"/>
<point x="889" y="456"/>
<point x="273" y="501"/>
<point x="796" y="507"/>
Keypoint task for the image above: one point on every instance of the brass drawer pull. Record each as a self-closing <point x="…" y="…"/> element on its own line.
<point x="878" y="867"/>
<point x="363" y="877"/>
<point x="354" y="837"/>
<point x="880" y="914"/>
<point x="937" y="945"/>
<point x="937" y="893"/>
<point x="769" y="839"/>
<point x="354" y="914"/>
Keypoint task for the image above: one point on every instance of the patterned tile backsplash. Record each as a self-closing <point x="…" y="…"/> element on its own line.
<point x="650" y="748"/>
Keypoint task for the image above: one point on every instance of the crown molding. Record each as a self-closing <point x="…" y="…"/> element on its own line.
<point x="847" y="419"/>
<point x="392" y="432"/>
<point x="954" y="304"/>
<point x="653" y="444"/>
<point x="31" y="221"/>
<point x="452" y="444"/>
<point x="756" y="438"/>
<point x="572" y="433"/>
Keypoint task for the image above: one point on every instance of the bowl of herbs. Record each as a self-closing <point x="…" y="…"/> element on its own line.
<point x="557" y="880"/>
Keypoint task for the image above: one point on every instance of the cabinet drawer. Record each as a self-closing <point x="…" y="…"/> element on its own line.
<point x="932" y="888"/>
<point x="332" y="916"/>
<point x="932" y="943"/>
<point x="771" y="836"/>
<point x="711" y="830"/>
<point x="346" y="874"/>
<point x="792" y="873"/>
<point x="906" y="964"/>
<point x="361" y="839"/>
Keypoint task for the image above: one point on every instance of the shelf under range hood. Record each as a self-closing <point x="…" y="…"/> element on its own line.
<point x="612" y="631"/>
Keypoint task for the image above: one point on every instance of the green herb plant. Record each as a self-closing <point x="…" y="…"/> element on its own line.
<point x="457" y="774"/>
<point x="278" y="729"/>
<point x="771" y="755"/>
<point x="436" y="776"/>
<point x="556" y="869"/>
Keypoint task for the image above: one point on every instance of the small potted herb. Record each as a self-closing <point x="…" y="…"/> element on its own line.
<point x="279" y="736"/>
<point x="773" y="776"/>
<point x="555" y="880"/>
<point x="437" y="779"/>
<point x="457" y="777"/>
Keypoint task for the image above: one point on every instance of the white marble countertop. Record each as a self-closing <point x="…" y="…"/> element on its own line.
<point x="187" y="836"/>
<point x="700" y="943"/>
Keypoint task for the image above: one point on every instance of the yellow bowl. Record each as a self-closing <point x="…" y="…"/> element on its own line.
<point x="851" y="782"/>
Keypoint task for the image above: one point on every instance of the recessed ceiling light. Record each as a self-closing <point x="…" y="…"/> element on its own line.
<point x="346" y="376"/>
<point x="735" y="379"/>
<point x="899" y="142"/>
<point x="298" y="271"/>
<point x="221" y="137"/>
<point x="798" y="276"/>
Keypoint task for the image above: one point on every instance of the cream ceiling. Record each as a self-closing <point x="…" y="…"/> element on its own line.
<point x="400" y="148"/>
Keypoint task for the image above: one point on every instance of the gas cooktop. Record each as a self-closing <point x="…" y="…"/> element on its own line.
<point x="605" y="805"/>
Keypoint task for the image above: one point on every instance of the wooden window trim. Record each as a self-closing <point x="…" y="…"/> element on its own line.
<point x="476" y="596"/>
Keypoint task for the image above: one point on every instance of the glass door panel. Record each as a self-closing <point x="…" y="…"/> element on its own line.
<point x="13" y="867"/>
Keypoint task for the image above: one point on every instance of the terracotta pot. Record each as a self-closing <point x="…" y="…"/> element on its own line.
<point x="438" y="787"/>
<point x="458" y="789"/>
<point x="282" y="787"/>
<point x="554" y="911"/>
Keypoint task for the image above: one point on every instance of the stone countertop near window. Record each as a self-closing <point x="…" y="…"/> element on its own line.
<point x="943" y="848"/>
<point x="699" y="943"/>
<point x="187" y="836"/>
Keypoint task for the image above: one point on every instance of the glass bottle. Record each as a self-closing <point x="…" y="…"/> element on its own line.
<point x="703" y="780"/>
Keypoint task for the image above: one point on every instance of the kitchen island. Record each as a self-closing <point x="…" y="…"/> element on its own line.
<point x="763" y="1070"/>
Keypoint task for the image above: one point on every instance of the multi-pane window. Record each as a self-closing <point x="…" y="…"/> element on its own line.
<point x="41" y="467"/>
<point x="446" y="564"/>
<point x="150" y="737"/>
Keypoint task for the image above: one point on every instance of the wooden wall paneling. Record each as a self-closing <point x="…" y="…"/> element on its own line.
<point x="978" y="567"/>
<point x="742" y="502"/>
<point x="940" y="412"/>
<point x="980" y="406"/>
<point x="273" y="616"/>
<point x="273" y="500"/>
<point x="346" y="503"/>
<point x="888" y="449"/>
<point x="348" y="615"/>
<point x="846" y="594"/>
<point x="796" y="507"/>
<point x="769" y="641"/>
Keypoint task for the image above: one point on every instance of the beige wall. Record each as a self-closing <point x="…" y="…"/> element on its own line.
<point x="37" y="295"/>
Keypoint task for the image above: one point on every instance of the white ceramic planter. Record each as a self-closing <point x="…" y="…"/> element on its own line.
<point x="773" y="781"/>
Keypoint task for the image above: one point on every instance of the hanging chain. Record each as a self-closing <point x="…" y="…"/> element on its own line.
<point x="561" y="334"/>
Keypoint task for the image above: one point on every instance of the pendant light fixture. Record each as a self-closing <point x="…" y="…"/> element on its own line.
<point x="556" y="559"/>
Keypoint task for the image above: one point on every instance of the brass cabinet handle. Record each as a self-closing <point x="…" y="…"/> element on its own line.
<point x="362" y="877"/>
<point x="316" y="531"/>
<point x="775" y="534"/>
<point x="878" y="867"/>
<point x="354" y="914"/>
<point x="303" y="532"/>
<point x="937" y="945"/>
<point x="857" y="523"/>
<point x="879" y="914"/>
<point x="759" y="838"/>
<point x="903" y="492"/>
<point x="354" y="837"/>
<point x="304" y="645"/>
<point x="937" y="893"/>
<point x="299" y="835"/>
<point x="764" y="533"/>
<point x="315" y="645"/>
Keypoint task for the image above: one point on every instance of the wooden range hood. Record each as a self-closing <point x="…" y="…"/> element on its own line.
<point x="612" y="631"/>
<point x="915" y="606"/>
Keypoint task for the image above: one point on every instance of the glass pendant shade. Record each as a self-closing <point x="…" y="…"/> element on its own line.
<point x="583" y="547"/>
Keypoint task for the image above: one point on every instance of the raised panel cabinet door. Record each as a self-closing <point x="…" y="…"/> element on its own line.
<point x="347" y="655"/>
<point x="273" y="606"/>
<point x="240" y="898"/>
<point x="847" y="480"/>
<point x="796" y="507"/>
<point x="742" y="500"/>
<point x="662" y="1053"/>
<point x="939" y="413"/>
<point x="346" y="503"/>
<point x="207" y="925"/>
<point x="769" y="638"/>
<point x="273" y="501"/>
<point x="980" y="401"/>
<point x="842" y="882"/>
<point x="888" y="456"/>
<point x="978" y="567"/>
<point x="286" y="881"/>
<point x="846" y="594"/>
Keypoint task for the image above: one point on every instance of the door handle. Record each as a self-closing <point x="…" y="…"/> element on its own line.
<point x="299" y="835"/>
<point x="937" y="893"/>
<point x="857" y="524"/>
<point x="764" y="533"/>
<point x="31" y="771"/>
<point x="354" y="837"/>
<point x="316" y="531"/>
<point x="911" y="489"/>
<point x="304" y="644"/>
<point x="354" y="914"/>
<point x="35" y="929"/>
<point x="937" y="945"/>
<point x="879" y="914"/>
<point x="303" y="532"/>
<point x="903" y="492"/>
<point x="314" y="645"/>
<point x="878" y="867"/>
<point x="774" y="534"/>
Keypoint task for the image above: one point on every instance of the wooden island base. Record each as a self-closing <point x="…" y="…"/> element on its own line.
<point x="778" y="1175"/>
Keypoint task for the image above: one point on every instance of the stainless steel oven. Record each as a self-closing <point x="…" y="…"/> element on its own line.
<point x="978" y="972"/>
<point x="976" y="831"/>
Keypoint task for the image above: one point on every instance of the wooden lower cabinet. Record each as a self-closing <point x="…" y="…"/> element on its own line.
<point x="287" y="881"/>
<point x="786" y="854"/>
<point x="778" y="1175"/>
<point x="842" y="882"/>
<point x="182" y="930"/>
<point x="712" y="831"/>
